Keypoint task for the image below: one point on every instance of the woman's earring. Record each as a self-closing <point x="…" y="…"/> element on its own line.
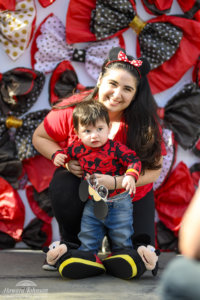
<point x="98" y="81"/>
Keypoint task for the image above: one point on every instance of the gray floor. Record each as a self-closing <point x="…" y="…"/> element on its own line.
<point x="21" y="277"/>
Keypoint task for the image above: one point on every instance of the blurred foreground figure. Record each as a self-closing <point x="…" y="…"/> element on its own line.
<point x="181" y="280"/>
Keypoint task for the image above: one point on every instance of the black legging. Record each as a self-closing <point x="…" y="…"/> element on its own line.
<point x="68" y="208"/>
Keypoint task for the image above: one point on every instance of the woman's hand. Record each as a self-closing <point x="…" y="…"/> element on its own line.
<point x="74" y="167"/>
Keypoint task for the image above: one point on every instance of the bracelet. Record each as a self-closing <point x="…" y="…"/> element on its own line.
<point x="53" y="155"/>
<point x="115" y="182"/>
<point x="67" y="167"/>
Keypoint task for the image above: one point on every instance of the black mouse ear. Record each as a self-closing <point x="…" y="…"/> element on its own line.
<point x="145" y="67"/>
<point x="113" y="54"/>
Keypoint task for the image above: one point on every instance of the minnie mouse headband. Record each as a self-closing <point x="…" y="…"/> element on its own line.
<point x="118" y="54"/>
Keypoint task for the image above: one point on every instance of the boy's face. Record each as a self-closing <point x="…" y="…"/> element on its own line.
<point x="94" y="136"/>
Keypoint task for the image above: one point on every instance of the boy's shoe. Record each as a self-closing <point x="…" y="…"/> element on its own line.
<point x="48" y="267"/>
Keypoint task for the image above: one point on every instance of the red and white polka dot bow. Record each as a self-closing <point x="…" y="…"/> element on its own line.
<point x="16" y="27"/>
<point x="135" y="62"/>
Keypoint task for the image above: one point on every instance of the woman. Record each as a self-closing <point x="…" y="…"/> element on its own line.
<point x="123" y="88"/>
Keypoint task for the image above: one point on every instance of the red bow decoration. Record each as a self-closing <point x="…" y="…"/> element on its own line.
<point x="157" y="7"/>
<point x="63" y="82"/>
<point x="46" y="3"/>
<point x="173" y="197"/>
<point x="135" y="62"/>
<point x="191" y="8"/>
<point x="7" y="5"/>
<point x="12" y="211"/>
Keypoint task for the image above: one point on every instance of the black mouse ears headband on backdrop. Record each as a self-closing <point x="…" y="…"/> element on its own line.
<point x="118" y="54"/>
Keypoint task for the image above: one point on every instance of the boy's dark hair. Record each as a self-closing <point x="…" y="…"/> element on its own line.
<point x="89" y="112"/>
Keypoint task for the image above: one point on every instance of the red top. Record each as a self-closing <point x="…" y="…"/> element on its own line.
<point x="59" y="126"/>
<point x="113" y="158"/>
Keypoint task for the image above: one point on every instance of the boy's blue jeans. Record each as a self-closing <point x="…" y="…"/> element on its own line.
<point x="118" y="224"/>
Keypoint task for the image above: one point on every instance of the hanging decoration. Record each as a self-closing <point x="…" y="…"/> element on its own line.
<point x="157" y="7"/>
<point x="166" y="41"/>
<point x="172" y="198"/>
<point x="50" y="48"/>
<point x="64" y="82"/>
<point x="12" y="211"/>
<point x="181" y="115"/>
<point x="17" y="27"/>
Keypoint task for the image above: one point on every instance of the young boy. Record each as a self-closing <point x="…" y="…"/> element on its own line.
<point x="96" y="153"/>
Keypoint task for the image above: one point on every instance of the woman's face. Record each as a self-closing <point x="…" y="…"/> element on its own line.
<point x="117" y="89"/>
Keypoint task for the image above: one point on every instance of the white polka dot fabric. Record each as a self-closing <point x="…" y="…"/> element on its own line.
<point x="16" y="28"/>
<point x="110" y="16"/>
<point x="159" y="42"/>
<point x="53" y="49"/>
<point x="23" y="135"/>
<point x="168" y="159"/>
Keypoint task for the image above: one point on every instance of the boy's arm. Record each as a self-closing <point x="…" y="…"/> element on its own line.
<point x="63" y="156"/>
<point x="130" y="160"/>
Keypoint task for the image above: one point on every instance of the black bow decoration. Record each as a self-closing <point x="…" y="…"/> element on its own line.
<point x="170" y="43"/>
<point x="23" y="135"/>
<point x="25" y="128"/>
<point x="63" y="82"/>
<point x="181" y="115"/>
<point x="19" y="90"/>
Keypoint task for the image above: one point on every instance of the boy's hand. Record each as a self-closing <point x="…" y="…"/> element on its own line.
<point x="129" y="184"/>
<point x="59" y="159"/>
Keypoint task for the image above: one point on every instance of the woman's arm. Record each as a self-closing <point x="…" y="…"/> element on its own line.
<point x="47" y="146"/>
<point x="189" y="235"/>
<point x="148" y="177"/>
<point x="43" y="143"/>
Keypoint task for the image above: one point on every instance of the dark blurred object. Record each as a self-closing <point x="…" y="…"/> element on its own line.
<point x="37" y="234"/>
<point x="10" y="165"/>
<point x="6" y="241"/>
<point x="181" y="115"/>
<point x="40" y="204"/>
<point x="165" y="238"/>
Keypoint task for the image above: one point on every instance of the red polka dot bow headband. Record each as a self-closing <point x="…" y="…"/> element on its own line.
<point x="135" y="62"/>
<point x="118" y="55"/>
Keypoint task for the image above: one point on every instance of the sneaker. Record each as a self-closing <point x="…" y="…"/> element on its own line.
<point x="48" y="267"/>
